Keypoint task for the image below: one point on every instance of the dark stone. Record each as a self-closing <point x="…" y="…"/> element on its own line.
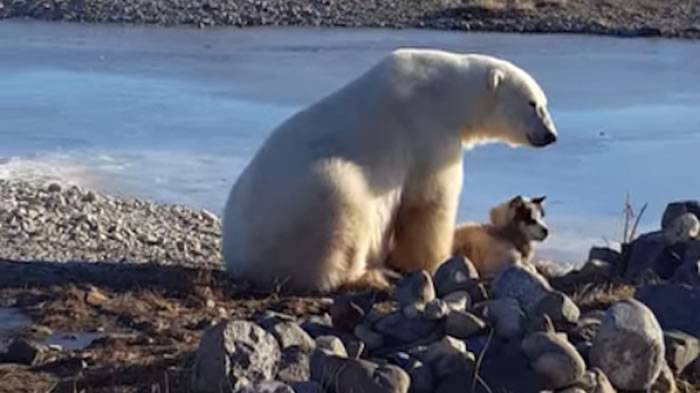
<point x="675" y="306"/>
<point x="677" y="209"/>
<point x="22" y="351"/>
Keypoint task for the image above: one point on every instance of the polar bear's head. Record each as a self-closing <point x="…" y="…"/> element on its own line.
<point x="515" y="108"/>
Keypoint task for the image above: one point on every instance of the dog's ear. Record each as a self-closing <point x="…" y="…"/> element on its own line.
<point x="517" y="200"/>
<point x="539" y="200"/>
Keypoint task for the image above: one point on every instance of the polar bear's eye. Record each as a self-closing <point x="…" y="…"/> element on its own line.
<point x="533" y="104"/>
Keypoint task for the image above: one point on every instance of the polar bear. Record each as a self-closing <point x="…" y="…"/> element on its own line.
<point x="368" y="178"/>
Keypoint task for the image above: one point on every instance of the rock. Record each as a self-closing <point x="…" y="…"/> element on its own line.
<point x="462" y="324"/>
<point x="555" y="360"/>
<point x="505" y="315"/>
<point x="688" y="273"/>
<point x="436" y="309"/>
<point x="605" y="254"/>
<point x="415" y="288"/>
<point x="455" y="274"/>
<point x="520" y="283"/>
<point x="268" y="387"/>
<point x="345" y="375"/>
<point x="600" y="382"/>
<point x="682" y="229"/>
<point x="559" y="307"/>
<point x="664" y="300"/>
<point x="629" y="346"/>
<point x="331" y="345"/>
<point x="306" y="387"/>
<point x="371" y="339"/>
<point x="447" y="356"/>
<point x="665" y="382"/>
<point x="355" y="349"/>
<point x="677" y="209"/>
<point x="458" y="301"/>
<point x="294" y="366"/>
<point x="23" y="351"/>
<point x="289" y="334"/>
<point x="346" y="312"/>
<point x="506" y="368"/>
<point x="267" y="319"/>
<point x="422" y="380"/>
<point x="232" y="352"/>
<point x="681" y="350"/>
<point x="646" y="252"/>
<point x="396" y="327"/>
<point x="317" y="326"/>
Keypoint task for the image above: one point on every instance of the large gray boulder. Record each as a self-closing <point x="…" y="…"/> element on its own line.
<point x="629" y="346"/>
<point x="234" y="354"/>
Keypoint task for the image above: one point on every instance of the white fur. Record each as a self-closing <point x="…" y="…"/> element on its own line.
<point x="373" y="172"/>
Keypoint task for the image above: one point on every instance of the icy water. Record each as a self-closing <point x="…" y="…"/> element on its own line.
<point x="174" y="114"/>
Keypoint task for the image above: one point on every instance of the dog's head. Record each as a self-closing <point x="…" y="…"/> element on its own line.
<point x="526" y="215"/>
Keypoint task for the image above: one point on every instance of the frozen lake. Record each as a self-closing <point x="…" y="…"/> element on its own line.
<point x="174" y="114"/>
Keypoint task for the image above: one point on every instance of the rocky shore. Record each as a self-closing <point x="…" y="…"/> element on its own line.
<point x="66" y="223"/>
<point x="626" y="321"/>
<point x="611" y="17"/>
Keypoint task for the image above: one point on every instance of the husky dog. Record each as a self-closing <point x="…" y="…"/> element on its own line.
<point x="507" y="240"/>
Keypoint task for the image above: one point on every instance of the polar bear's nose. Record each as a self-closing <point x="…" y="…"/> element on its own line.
<point x="550" y="138"/>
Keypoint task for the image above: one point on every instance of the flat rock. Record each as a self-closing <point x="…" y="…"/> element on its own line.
<point x="232" y="352"/>
<point x="629" y="346"/>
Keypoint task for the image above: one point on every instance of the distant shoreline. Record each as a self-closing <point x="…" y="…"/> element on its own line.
<point x="631" y="18"/>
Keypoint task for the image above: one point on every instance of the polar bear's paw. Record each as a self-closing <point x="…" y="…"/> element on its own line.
<point x="379" y="279"/>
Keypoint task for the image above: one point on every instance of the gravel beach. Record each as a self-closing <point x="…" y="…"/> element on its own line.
<point x="611" y="17"/>
<point x="66" y="223"/>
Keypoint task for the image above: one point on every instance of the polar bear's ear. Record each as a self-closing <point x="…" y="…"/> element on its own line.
<point x="495" y="78"/>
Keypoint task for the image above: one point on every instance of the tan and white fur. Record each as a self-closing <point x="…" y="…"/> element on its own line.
<point x="509" y="238"/>
<point x="369" y="177"/>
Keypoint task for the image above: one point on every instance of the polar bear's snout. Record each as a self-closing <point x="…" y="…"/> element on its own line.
<point x="545" y="132"/>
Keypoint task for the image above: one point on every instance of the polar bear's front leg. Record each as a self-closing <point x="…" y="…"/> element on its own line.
<point x="422" y="237"/>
